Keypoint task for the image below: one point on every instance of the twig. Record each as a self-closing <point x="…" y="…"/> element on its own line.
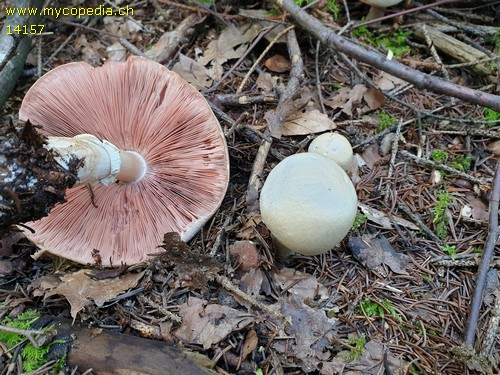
<point x="489" y="248"/>
<point x="276" y="119"/>
<point x="403" y="207"/>
<point x="318" y="78"/>
<point x="261" y="56"/>
<point x="229" y="286"/>
<point x="465" y="176"/>
<point x="394" y="151"/>
<point x="28" y="333"/>
<point x="169" y="314"/>
<point x="172" y="39"/>
<point x="377" y="60"/>
<point x="246" y="100"/>
<point x="15" y="47"/>
<point x="240" y="60"/>
<point x="493" y="327"/>
<point x="133" y="49"/>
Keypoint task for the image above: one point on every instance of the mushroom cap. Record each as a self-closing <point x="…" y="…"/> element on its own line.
<point x="383" y="3"/>
<point x="308" y="203"/>
<point x="334" y="146"/>
<point x="138" y="106"/>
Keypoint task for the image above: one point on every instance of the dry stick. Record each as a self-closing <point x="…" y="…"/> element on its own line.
<point x="28" y="333"/>
<point x="417" y="220"/>
<point x="318" y="77"/>
<point x="273" y="42"/>
<point x="394" y="151"/>
<point x="240" y="60"/>
<point x="183" y="30"/>
<point x="486" y="262"/>
<point x="230" y="287"/>
<point x="433" y="164"/>
<point x="493" y="326"/>
<point x="377" y="60"/>
<point x="169" y="314"/>
<point x="15" y="47"/>
<point x="276" y="119"/>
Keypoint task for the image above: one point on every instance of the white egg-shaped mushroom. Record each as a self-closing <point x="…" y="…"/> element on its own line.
<point x="378" y="6"/>
<point x="308" y="203"/>
<point x="334" y="146"/>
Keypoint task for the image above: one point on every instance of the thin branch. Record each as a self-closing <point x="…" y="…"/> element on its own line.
<point x="28" y="333"/>
<point x="421" y="80"/>
<point x="276" y="119"/>
<point x="14" y="47"/>
<point x="489" y="248"/>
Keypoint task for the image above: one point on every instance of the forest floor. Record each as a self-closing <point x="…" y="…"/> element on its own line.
<point x="395" y="296"/>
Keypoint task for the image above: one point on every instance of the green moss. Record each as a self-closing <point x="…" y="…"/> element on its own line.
<point x="22" y="321"/>
<point x="440" y="156"/>
<point x="378" y="309"/>
<point x="385" y="121"/>
<point x="359" y="345"/>
<point x="359" y="220"/>
<point x="394" y="41"/>
<point x="461" y="163"/>
<point x="33" y="358"/>
<point x="441" y="218"/>
<point x="450" y="250"/>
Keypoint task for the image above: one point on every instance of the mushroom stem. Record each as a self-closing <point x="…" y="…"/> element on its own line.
<point x="101" y="160"/>
<point x="133" y="167"/>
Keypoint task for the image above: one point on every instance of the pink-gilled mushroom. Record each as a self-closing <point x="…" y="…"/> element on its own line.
<point x="152" y="142"/>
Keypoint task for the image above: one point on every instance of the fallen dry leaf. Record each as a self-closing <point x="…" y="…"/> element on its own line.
<point x="9" y="240"/>
<point x="478" y="210"/>
<point x="247" y="230"/>
<point x="278" y="64"/>
<point x="307" y="122"/>
<point x="385" y="81"/>
<point x="265" y="82"/>
<point x="80" y="289"/>
<point x="251" y="282"/>
<point x="382" y="219"/>
<point x="312" y="334"/>
<point x="246" y="253"/>
<point x="206" y="325"/>
<point x="346" y="98"/>
<point x="92" y="52"/>
<point x="371" y="252"/>
<point x="193" y="72"/>
<point x="302" y="285"/>
<point x="373" y="361"/>
<point x="6" y="268"/>
<point x="249" y="345"/>
<point x="371" y="156"/>
<point x="374" y="98"/>
<point x="231" y="44"/>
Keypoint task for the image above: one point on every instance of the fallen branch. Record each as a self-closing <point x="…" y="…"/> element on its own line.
<point x="275" y="121"/>
<point x="15" y="47"/>
<point x="489" y="249"/>
<point x="421" y="80"/>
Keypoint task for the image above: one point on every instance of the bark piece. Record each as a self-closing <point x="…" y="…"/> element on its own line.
<point x="108" y="352"/>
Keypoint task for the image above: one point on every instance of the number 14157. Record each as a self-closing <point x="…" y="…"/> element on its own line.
<point x="25" y="29"/>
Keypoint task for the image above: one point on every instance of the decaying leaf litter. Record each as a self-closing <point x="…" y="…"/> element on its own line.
<point x="393" y="298"/>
